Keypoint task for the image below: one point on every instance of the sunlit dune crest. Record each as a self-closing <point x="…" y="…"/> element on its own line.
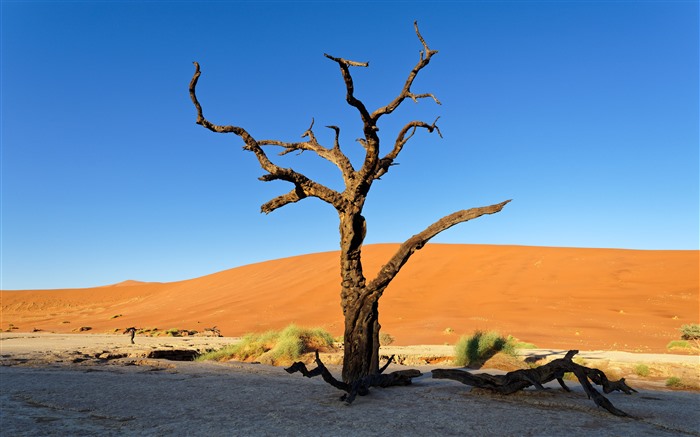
<point x="553" y="297"/>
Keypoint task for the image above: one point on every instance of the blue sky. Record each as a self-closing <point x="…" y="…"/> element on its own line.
<point x="584" y="113"/>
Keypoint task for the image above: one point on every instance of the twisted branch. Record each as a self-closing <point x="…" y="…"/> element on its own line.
<point x="517" y="380"/>
<point x="416" y="242"/>
<point x="303" y="186"/>
<point x="425" y="56"/>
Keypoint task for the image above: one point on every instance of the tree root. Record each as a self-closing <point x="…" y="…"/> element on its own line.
<point x="520" y="379"/>
<point x="361" y="386"/>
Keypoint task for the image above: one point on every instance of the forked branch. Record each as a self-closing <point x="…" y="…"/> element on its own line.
<point x="406" y="92"/>
<point x="303" y="186"/>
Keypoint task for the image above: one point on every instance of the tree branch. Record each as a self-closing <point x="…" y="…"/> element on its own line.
<point x="303" y="186"/>
<point x="416" y="242"/>
<point x="401" y="140"/>
<point x="350" y="87"/>
<point x="425" y="56"/>
<point x="245" y="136"/>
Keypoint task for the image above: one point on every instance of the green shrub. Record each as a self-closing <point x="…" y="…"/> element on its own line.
<point x="524" y="345"/>
<point x="690" y="332"/>
<point x="641" y="370"/>
<point x="678" y="344"/>
<point x="274" y="347"/>
<point x="222" y="354"/>
<point x="674" y="382"/>
<point x="479" y="347"/>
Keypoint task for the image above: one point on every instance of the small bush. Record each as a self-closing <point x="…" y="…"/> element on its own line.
<point x="479" y="347"/>
<point x="678" y="344"/>
<point x="674" y="382"/>
<point x="385" y="339"/>
<point x="222" y="354"/>
<point x="641" y="370"/>
<point x="690" y="332"/>
<point x="524" y="345"/>
<point x="115" y="316"/>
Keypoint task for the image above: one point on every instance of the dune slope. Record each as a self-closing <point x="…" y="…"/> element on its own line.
<point x="553" y="297"/>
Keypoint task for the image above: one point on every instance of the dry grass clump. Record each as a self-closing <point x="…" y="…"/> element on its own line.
<point x="275" y="347"/>
<point x="474" y="350"/>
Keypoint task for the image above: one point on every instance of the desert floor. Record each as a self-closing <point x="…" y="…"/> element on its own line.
<point x="619" y="307"/>
<point x="54" y="384"/>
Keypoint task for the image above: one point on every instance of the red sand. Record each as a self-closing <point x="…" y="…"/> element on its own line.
<point x="553" y="297"/>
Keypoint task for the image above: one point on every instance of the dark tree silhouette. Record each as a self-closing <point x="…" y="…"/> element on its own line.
<point x="359" y="296"/>
<point x="131" y="331"/>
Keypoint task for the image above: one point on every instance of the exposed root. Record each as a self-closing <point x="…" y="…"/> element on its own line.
<point x="361" y="386"/>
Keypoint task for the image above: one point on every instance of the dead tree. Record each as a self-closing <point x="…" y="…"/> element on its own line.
<point x="517" y="380"/>
<point x="131" y="331"/>
<point x="359" y="297"/>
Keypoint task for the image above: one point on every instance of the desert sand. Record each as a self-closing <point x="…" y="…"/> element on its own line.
<point x="567" y="298"/>
<point x="80" y="385"/>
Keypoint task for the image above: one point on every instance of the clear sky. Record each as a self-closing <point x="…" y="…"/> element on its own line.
<point x="584" y="113"/>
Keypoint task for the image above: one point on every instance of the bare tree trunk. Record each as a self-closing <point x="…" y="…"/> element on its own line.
<point x="360" y="306"/>
<point x="361" y="340"/>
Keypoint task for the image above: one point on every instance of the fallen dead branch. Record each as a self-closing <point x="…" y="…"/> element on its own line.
<point x="517" y="380"/>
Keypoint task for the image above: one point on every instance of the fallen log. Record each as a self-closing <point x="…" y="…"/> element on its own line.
<point x="517" y="380"/>
<point x="361" y="386"/>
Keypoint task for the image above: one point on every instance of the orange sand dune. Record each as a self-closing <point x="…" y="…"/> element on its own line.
<point x="553" y="297"/>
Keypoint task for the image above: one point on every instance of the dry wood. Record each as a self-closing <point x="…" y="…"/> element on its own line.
<point x="359" y="298"/>
<point x="517" y="380"/>
<point x="360" y="386"/>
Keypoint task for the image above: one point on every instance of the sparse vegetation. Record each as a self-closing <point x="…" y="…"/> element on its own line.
<point x="476" y="349"/>
<point x="115" y="316"/>
<point x="690" y="331"/>
<point x="275" y="347"/>
<point x="523" y="345"/>
<point x="674" y="382"/>
<point x="679" y="344"/>
<point x="690" y="335"/>
<point x="385" y="339"/>
<point x="225" y="353"/>
<point x="641" y="370"/>
<point x="174" y="332"/>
